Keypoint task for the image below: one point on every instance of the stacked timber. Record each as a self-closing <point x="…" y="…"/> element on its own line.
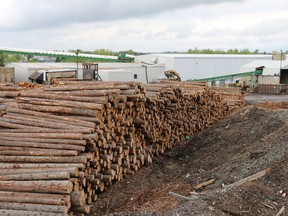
<point x="233" y="97"/>
<point x="62" y="145"/>
<point x="178" y="110"/>
<point x="43" y="161"/>
<point x="8" y="92"/>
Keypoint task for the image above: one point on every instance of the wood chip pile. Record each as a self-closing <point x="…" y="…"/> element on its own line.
<point x="62" y="145"/>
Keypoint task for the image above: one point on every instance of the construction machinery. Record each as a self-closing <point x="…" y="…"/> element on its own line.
<point x="172" y="75"/>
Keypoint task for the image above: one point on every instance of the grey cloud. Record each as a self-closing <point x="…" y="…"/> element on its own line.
<point x="267" y="28"/>
<point x="32" y="14"/>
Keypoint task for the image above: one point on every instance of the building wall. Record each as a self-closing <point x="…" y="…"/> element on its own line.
<point x="137" y="74"/>
<point x="21" y="73"/>
<point x="24" y="70"/>
<point x="208" y="67"/>
<point x="202" y="66"/>
<point x="113" y="70"/>
<point x="268" y="79"/>
<point x="252" y="80"/>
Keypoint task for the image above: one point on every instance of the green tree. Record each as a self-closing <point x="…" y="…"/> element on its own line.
<point x="256" y="51"/>
<point x="245" y="51"/>
<point x="104" y="52"/>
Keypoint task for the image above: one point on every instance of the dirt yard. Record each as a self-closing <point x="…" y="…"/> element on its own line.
<point x="247" y="141"/>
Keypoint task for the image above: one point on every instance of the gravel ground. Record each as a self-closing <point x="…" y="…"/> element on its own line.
<point x="262" y="98"/>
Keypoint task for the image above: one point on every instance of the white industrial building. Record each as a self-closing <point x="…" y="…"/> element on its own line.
<point x="107" y="71"/>
<point x="149" y="68"/>
<point x="201" y="66"/>
<point x="273" y="71"/>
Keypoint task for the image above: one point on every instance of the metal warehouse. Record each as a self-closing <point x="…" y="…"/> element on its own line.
<point x="200" y="66"/>
<point x="273" y="72"/>
<point x="107" y="71"/>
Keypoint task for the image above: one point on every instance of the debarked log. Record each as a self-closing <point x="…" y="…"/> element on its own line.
<point x="59" y="187"/>
<point x="36" y="176"/>
<point x="33" y="207"/>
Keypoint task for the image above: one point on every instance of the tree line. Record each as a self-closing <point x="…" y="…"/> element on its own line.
<point x="7" y="58"/>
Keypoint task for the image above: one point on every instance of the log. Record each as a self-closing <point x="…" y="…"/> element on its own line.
<point x="37" y="165"/>
<point x="44" y="135"/>
<point x="53" y="140"/>
<point x="59" y="187"/>
<point x="36" y="198"/>
<point x="33" y="207"/>
<point x="16" y="128"/>
<point x="6" y="124"/>
<point x="63" y="96"/>
<point x="73" y="171"/>
<point x="36" y="176"/>
<point x="69" y="119"/>
<point x="61" y="103"/>
<point x="34" y="146"/>
<point x="39" y="159"/>
<point x="38" y="152"/>
<point x="30" y="200"/>
<point x="5" y="212"/>
<point x="91" y="86"/>
<point x="77" y="198"/>
<point x="57" y="109"/>
<point x="41" y="122"/>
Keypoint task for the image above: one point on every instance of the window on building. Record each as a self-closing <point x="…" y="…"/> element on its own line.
<point x="135" y="76"/>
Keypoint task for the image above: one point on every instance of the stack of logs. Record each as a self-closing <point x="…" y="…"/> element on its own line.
<point x="62" y="145"/>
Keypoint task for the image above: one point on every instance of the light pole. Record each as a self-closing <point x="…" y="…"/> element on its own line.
<point x="281" y="57"/>
<point x="280" y="65"/>
<point x="77" y="54"/>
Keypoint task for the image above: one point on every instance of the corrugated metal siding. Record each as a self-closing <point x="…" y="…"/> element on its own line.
<point x="199" y="66"/>
<point x="205" y="68"/>
<point x="216" y="56"/>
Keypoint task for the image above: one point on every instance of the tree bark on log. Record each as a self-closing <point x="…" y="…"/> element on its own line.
<point x="60" y="110"/>
<point x="61" y="103"/>
<point x="43" y="159"/>
<point x="59" y="187"/>
<point x="17" y="145"/>
<point x="38" y="152"/>
<point x="53" y="140"/>
<point x="36" y="176"/>
<point x="44" y="135"/>
<point x="36" y="114"/>
<point x="62" y="96"/>
<point x="33" y="207"/>
<point x="37" y="165"/>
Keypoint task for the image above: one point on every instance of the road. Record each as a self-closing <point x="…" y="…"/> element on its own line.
<point x="262" y="98"/>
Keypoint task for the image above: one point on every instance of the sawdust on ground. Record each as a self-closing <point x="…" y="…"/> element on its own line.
<point x="247" y="141"/>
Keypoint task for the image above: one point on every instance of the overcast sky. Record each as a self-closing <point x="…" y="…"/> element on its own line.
<point x="144" y="26"/>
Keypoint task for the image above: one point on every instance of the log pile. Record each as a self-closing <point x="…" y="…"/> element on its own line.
<point x="62" y="145"/>
<point x="233" y="97"/>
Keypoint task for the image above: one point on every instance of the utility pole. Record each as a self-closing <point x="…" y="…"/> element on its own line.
<point x="281" y="57"/>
